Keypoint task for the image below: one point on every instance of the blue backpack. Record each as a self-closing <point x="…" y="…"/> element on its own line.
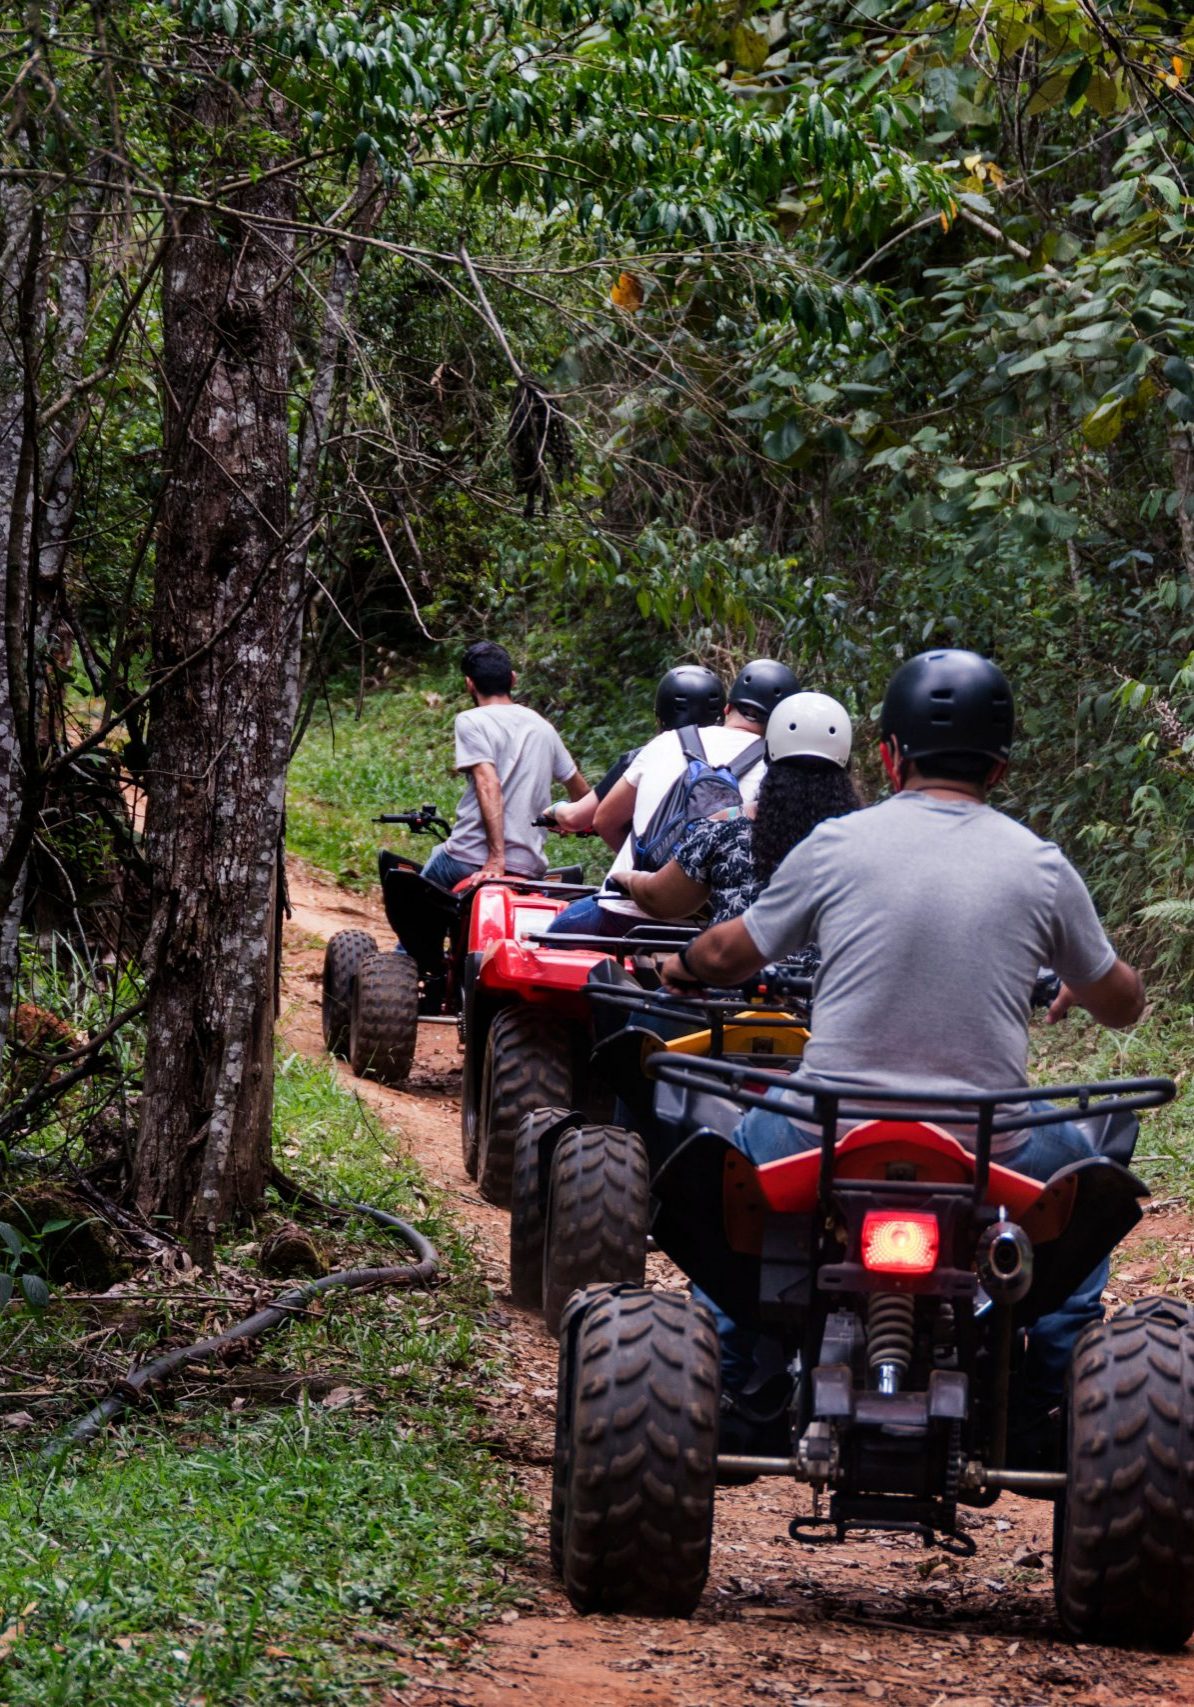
<point x="700" y="791"/>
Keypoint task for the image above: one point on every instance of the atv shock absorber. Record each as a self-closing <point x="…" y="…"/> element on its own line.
<point x="889" y="1338"/>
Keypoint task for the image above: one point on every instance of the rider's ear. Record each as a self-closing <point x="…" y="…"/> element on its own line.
<point x="892" y="765"/>
<point x="996" y="773"/>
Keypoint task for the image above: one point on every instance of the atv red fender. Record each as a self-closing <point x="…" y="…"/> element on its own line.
<point x="499" y="924"/>
<point x="790" y="1184"/>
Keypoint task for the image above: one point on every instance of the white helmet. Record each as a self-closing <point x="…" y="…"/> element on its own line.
<point x="809" y="726"/>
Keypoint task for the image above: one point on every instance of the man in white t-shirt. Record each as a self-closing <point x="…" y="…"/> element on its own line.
<point x="628" y="808"/>
<point x="510" y="756"/>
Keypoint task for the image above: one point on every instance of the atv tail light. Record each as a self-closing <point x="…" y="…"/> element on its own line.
<point x="899" y="1244"/>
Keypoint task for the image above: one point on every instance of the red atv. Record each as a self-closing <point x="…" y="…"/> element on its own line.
<point x="469" y="954"/>
<point x="895" y="1274"/>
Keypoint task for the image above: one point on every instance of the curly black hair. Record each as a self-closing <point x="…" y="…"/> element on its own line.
<point x="796" y="796"/>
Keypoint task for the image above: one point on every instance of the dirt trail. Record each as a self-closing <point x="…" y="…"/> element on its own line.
<point x="876" y="1620"/>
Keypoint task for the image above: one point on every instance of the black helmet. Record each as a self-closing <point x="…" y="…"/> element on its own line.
<point x="689" y="694"/>
<point x="948" y="702"/>
<point x="759" y="687"/>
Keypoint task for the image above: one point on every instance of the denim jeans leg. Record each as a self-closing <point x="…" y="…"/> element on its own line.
<point x="1051" y="1339"/>
<point x="443" y="868"/>
<point x="586" y="918"/>
<point x="763" y="1136"/>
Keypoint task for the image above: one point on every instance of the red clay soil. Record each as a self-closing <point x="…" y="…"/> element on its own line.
<point x="877" y="1619"/>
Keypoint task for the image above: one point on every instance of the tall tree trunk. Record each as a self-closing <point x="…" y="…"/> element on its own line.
<point x="227" y="596"/>
<point x="1181" y="456"/>
<point x="21" y="313"/>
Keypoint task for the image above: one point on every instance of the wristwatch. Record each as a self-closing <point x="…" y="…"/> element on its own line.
<point x="682" y="957"/>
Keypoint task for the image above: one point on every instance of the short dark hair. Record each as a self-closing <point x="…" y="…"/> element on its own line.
<point x="956" y="767"/>
<point x="487" y="665"/>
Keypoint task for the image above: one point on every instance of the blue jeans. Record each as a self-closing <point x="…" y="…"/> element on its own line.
<point x="586" y="918"/>
<point x="446" y="870"/>
<point x="764" y="1136"/>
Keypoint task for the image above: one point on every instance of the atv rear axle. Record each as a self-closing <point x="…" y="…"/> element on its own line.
<point x="1038" y="1484"/>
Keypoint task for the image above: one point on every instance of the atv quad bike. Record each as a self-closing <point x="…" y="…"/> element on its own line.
<point x="476" y="955"/>
<point x="896" y="1270"/>
<point x="373" y="1001"/>
<point x="580" y="1202"/>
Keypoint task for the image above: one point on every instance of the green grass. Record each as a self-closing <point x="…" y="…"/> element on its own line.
<point x="241" y="1558"/>
<point x="1162" y="1045"/>
<point x="399" y="755"/>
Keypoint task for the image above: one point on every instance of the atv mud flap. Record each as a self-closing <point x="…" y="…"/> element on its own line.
<point x="1080" y="1217"/>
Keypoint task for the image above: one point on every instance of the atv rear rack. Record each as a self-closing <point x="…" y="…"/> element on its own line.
<point x="618" y="946"/>
<point x="822" y="1104"/>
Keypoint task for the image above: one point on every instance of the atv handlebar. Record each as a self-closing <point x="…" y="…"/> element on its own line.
<point x="421" y="821"/>
<point x="545" y="822"/>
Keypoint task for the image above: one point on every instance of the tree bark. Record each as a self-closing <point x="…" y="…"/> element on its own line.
<point x="21" y="312"/>
<point x="1181" y="456"/>
<point x="227" y="593"/>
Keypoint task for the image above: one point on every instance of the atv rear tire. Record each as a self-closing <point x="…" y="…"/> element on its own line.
<point x="384" y="1023"/>
<point x="528" y="1065"/>
<point x="641" y="1455"/>
<point x="526" y="1212"/>
<point x="1177" y="1312"/>
<point x="341" y="960"/>
<point x="1124" y="1533"/>
<point x="597" y="1215"/>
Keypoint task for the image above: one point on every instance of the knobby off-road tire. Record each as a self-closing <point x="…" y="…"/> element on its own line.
<point x="1177" y="1312"/>
<point x="384" y="1025"/>
<point x="527" y="1225"/>
<point x="528" y="1065"/>
<point x="565" y="1385"/>
<point x="341" y="958"/>
<point x="641" y="1455"/>
<point x="598" y="1210"/>
<point x="1124" y="1534"/>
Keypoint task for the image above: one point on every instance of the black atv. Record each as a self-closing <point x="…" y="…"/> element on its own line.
<point x="372" y="1001"/>
<point x="580" y="1204"/>
<point x="895" y="1273"/>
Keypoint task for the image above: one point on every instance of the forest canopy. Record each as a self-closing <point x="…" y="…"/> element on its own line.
<point x="330" y="336"/>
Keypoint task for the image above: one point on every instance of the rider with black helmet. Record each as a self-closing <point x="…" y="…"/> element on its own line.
<point x="759" y="686"/>
<point x="933" y="913"/>
<point x="627" y="809"/>
<point x="688" y="694"/>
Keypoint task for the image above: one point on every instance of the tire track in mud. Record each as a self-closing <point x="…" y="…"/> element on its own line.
<point x="882" y="1619"/>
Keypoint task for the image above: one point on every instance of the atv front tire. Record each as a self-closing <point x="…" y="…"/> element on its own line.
<point x="639" y="1464"/>
<point x="528" y="1065"/>
<point x="341" y="960"/>
<point x="598" y="1209"/>
<point x="1124" y="1532"/>
<point x="526" y="1212"/>
<point x="384" y="1022"/>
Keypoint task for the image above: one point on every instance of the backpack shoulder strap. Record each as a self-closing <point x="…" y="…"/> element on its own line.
<point x="691" y="744"/>
<point x="747" y="759"/>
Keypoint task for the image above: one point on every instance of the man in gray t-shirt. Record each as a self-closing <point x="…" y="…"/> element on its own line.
<point x="510" y="756"/>
<point x="933" y="913"/>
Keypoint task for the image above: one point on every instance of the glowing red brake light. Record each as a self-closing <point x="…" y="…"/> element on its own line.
<point x="899" y="1244"/>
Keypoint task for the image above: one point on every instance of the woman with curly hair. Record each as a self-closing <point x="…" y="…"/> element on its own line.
<point x="726" y="863"/>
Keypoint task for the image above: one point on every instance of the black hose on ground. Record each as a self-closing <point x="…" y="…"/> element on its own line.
<point x="262" y="1322"/>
